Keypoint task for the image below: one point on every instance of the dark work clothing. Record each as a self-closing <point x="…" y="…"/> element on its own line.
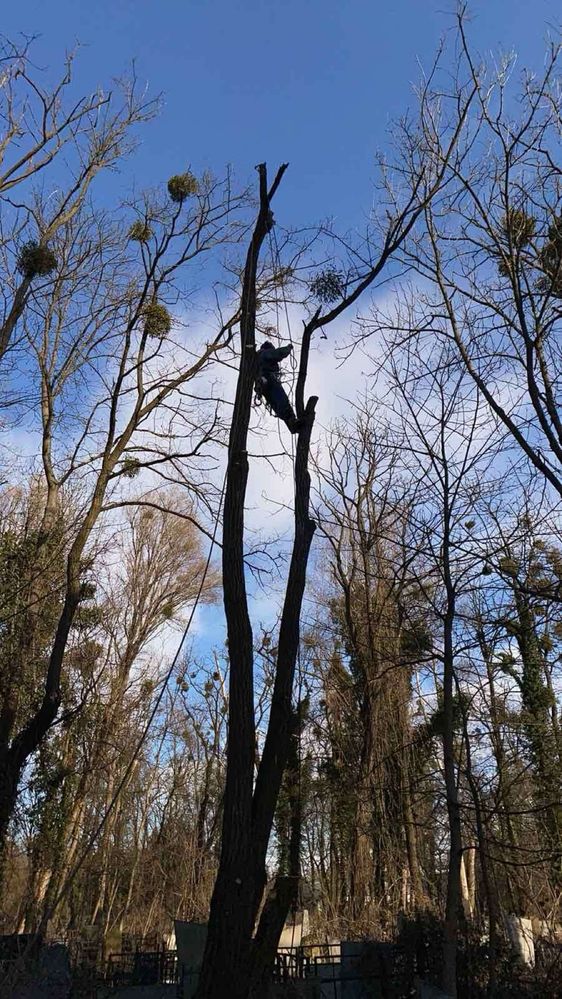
<point x="269" y="385"/>
<point x="268" y="360"/>
<point x="276" y="397"/>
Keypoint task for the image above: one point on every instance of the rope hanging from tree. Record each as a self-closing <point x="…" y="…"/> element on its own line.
<point x="276" y="264"/>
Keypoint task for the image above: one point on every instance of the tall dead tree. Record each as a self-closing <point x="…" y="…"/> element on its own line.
<point x="247" y="817"/>
<point x="249" y="809"/>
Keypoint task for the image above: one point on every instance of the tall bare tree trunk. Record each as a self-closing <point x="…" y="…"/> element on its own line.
<point x="226" y="964"/>
<point x="249" y="813"/>
<point x="418" y="892"/>
<point x="451" y="928"/>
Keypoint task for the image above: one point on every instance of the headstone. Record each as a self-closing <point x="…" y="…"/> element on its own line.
<point x="112" y="942"/>
<point x="366" y="966"/>
<point x="309" y="989"/>
<point x="170" y="940"/>
<point x="425" y="990"/>
<point x="191" y="939"/>
<point x="520" y="932"/>
<point x="49" y="978"/>
<point x="328" y="978"/>
<point x="294" y="930"/>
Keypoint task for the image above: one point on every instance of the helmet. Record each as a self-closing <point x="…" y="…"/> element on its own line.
<point x="267" y="345"/>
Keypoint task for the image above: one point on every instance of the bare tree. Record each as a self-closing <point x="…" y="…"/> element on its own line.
<point x="492" y="249"/>
<point x="161" y="568"/>
<point x="103" y="324"/>
<point x="452" y="446"/>
<point x="363" y="515"/>
<point x="49" y="132"/>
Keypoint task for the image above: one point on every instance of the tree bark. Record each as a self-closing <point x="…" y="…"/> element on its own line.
<point x="226" y="963"/>
<point x="284" y="897"/>
<point x="278" y="904"/>
<point x="451" y="928"/>
<point x="248" y="814"/>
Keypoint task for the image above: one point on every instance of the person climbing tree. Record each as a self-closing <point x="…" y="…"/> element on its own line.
<point x="269" y="387"/>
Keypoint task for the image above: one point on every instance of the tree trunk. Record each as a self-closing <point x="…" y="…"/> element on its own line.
<point x="451" y="928"/>
<point x="18" y="305"/>
<point x="226" y="962"/>
<point x="284" y="897"/>
<point x="278" y="904"/>
<point x="419" y="896"/>
<point x="248" y="818"/>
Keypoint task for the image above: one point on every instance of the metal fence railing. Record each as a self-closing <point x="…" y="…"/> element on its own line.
<point x="143" y="968"/>
<point x="362" y="969"/>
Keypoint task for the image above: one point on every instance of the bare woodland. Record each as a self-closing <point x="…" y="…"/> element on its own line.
<point x="390" y="753"/>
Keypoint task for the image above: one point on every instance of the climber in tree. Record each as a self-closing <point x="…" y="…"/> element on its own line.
<point x="269" y="387"/>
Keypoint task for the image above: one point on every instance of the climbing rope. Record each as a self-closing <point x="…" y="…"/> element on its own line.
<point x="293" y="362"/>
<point x="101" y="824"/>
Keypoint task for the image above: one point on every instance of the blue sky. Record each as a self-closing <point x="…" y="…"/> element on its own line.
<point x="313" y="82"/>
